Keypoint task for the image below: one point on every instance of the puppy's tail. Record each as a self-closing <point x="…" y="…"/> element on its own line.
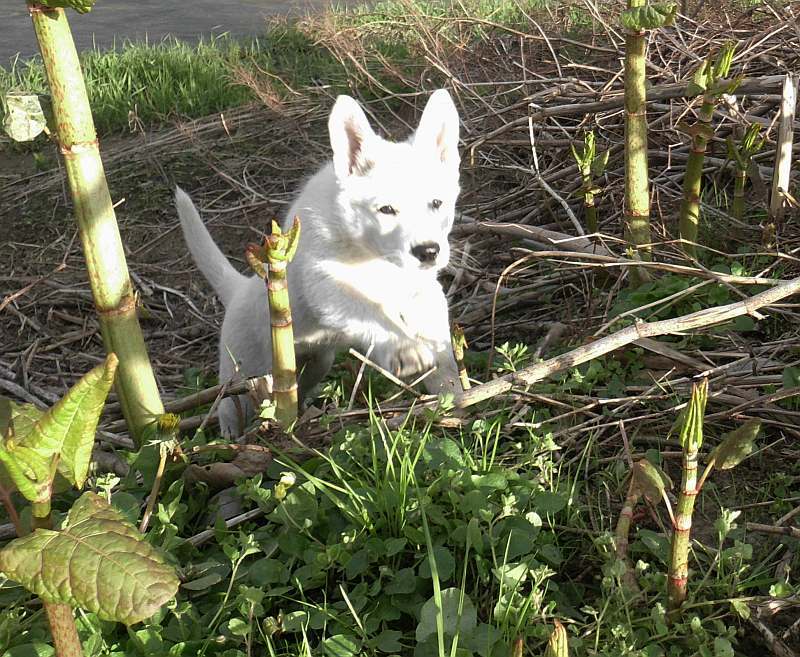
<point x="210" y="260"/>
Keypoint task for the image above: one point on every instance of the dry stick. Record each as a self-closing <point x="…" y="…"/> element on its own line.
<point x="702" y="318"/>
<point x="783" y="157"/>
<point x="200" y="398"/>
<point x="668" y="91"/>
<point x="772" y="529"/>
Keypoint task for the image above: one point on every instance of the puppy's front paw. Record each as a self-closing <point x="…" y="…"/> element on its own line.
<point x="411" y="359"/>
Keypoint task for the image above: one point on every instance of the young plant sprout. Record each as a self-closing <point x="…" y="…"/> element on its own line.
<point x="733" y="449"/>
<point x="742" y="155"/>
<point x="277" y="251"/>
<point x="709" y="81"/>
<point x="591" y="166"/>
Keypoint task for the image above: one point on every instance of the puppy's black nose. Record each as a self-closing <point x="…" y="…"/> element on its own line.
<point x="426" y="253"/>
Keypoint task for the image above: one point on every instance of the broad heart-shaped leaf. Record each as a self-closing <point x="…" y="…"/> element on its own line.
<point x="736" y="446"/>
<point x="451" y="621"/>
<point x="650" y="480"/>
<point x="649" y="17"/>
<point x="24" y="119"/>
<point x="98" y="562"/>
<point x="67" y="429"/>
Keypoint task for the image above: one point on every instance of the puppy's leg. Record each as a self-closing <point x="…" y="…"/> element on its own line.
<point x="434" y="329"/>
<point x="313" y="368"/>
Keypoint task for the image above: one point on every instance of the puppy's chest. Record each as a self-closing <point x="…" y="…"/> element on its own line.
<point x="404" y="298"/>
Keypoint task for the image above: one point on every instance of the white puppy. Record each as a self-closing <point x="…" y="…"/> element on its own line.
<point x="375" y="222"/>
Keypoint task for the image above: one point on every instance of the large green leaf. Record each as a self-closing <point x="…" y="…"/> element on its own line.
<point x="649" y="17"/>
<point x="735" y="446"/>
<point x="452" y="621"/>
<point x="68" y="428"/>
<point x="98" y="562"/>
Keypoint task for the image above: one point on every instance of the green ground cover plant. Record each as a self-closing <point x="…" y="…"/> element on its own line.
<point x="539" y="522"/>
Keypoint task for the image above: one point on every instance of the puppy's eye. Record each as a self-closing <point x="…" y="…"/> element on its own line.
<point x="436" y="203"/>
<point x="387" y="209"/>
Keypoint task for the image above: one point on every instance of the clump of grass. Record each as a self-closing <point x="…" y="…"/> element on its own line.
<point x="148" y="83"/>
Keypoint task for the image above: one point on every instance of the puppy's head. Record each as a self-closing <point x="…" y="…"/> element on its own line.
<point x="398" y="199"/>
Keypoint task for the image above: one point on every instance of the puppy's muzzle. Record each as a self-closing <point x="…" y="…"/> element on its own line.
<point x="426" y="252"/>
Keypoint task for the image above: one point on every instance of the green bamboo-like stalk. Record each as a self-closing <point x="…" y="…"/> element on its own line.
<point x="708" y="80"/>
<point x="691" y="438"/>
<point x="278" y="250"/>
<point x="693" y="177"/>
<point x="637" y="181"/>
<point x="113" y="294"/>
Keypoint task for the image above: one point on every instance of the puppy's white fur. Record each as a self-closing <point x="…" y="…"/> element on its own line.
<point x="355" y="281"/>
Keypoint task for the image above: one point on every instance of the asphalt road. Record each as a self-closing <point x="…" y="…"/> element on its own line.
<point x="114" y="21"/>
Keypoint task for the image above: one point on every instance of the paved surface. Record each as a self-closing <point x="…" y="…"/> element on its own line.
<point x="114" y="21"/>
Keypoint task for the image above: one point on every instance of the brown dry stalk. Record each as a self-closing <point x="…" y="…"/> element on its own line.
<point x="702" y="318"/>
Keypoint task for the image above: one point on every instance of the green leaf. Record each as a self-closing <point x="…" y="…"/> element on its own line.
<point x="791" y="377"/>
<point x="389" y="641"/>
<point x="722" y="65"/>
<point x="30" y="473"/>
<point x="238" y="627"/>
<point x="451" y="620"/>
<point x="445" y="564"/>
<point x="340" y="645"/>
<point x="741" y="608"/>
<point x="735" y="446"/>
<point x="650" y="480"/>
<point x="549" y="502"/>
<point x="24" y="118"/>
<point x="700" y="80"/>
<point x="691" y="436"/>
<point x="599" y="164"/>
<point x="68" y="428"/>
<point x="98" y="562"/>
<point x="81" y="6"/>
<point x="649" y="17"/>
<point x="723" y="647"/>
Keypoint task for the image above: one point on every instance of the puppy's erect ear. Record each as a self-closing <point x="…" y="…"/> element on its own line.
<point x="350" y="138"/>
<point x="438" y="128"/>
